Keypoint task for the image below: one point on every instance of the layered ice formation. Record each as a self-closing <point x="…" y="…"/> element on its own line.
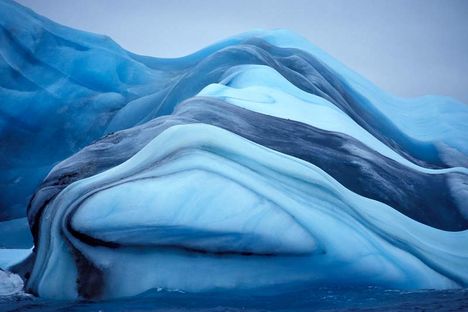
<point x="257" y="161"/>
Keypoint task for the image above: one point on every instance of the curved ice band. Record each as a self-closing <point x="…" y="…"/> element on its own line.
<point x="349" y="238"/>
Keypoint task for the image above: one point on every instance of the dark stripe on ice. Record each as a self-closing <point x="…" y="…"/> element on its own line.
<point x="422" y="197"/>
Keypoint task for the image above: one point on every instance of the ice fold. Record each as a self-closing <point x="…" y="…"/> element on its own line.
<point x="254" y="162"/>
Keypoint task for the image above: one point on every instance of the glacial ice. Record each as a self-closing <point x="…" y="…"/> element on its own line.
<point x="10" y="284"/>
<point x="257" y="161"/>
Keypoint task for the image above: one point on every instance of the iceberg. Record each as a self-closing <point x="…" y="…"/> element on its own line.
<point x="258" y="161"/>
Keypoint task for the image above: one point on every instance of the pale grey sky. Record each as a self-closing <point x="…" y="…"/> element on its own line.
<point x="407" y="47"/>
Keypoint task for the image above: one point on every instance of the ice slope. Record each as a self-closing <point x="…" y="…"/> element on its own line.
<point x="233" y="213"/>
<point x="88" y="86"/>
<point x="423" y="194"/>
<point x="58" y="90"/>
<point x="258" y="161"/>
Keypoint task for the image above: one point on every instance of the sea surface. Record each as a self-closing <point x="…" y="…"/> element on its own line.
<point x="362" y="299"/>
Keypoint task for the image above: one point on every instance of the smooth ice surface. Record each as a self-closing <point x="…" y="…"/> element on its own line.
<point x="10" y="257"/>
<point x="257" y="162"/>
<point x="88" y="86"/>
<point x="344" y="227"/>
<point x="15" y="234"/>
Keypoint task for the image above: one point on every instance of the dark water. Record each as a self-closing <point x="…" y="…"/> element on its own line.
<point x="367" y="299"/>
